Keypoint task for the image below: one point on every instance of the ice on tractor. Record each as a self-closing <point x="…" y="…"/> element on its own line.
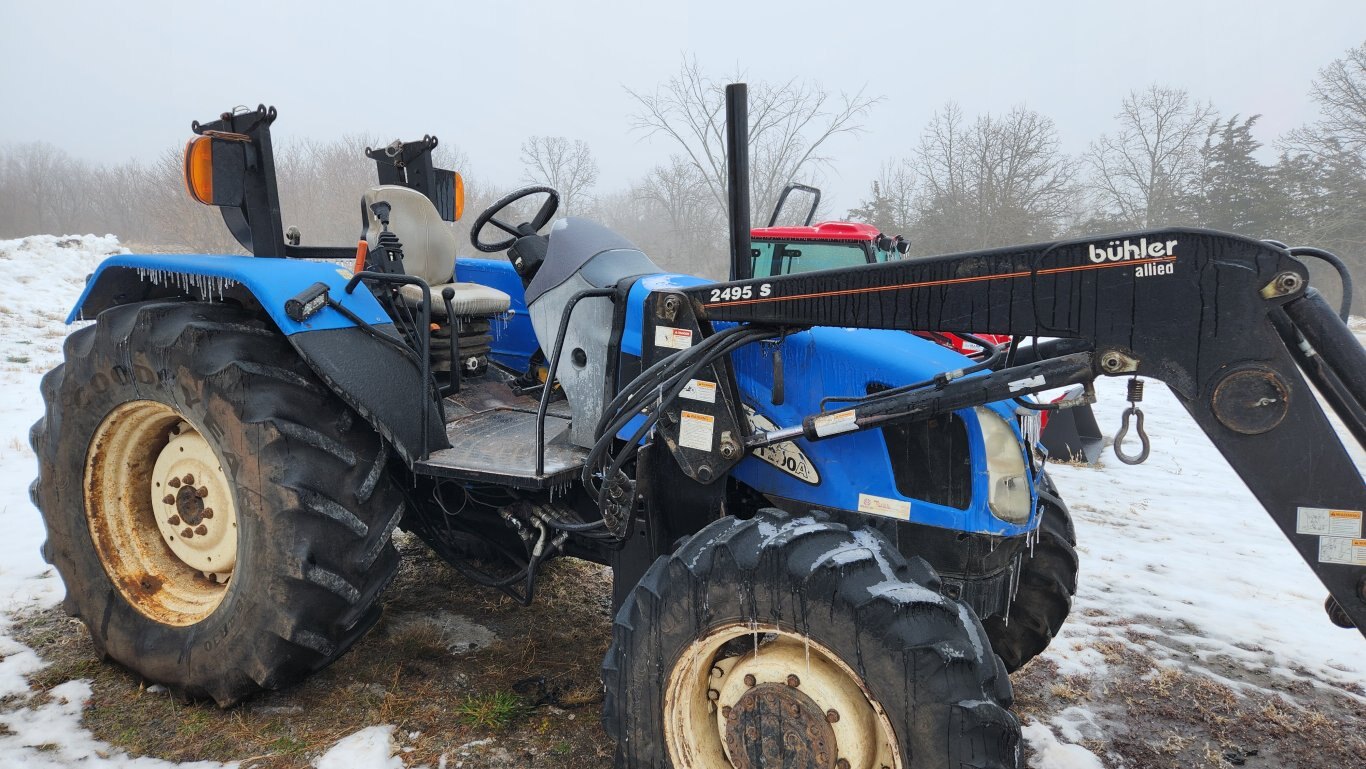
<point x="820" y="484"/>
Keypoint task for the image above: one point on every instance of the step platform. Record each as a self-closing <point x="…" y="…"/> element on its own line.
<point x="492" y="432"/>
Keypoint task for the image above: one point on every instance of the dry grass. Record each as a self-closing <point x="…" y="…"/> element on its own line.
<point x="534" y="695"/>
<point x="1167" y="716"/>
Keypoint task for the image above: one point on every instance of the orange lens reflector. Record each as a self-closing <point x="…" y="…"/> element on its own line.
<point x="199" y="169"/>
<point x="459" y="196"/>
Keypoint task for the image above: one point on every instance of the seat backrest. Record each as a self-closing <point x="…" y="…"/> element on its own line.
<point x="429" y="243"/>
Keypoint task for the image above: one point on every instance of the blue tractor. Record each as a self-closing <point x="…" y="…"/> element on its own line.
<point x="820" y="550"/>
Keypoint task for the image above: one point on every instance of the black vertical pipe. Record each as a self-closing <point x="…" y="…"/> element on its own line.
<point x="737" y="178"/>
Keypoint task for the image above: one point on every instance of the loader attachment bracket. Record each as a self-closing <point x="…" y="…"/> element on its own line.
<point x="1228" y="323"/>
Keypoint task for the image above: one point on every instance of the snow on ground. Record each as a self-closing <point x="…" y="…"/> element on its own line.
<point x="1181" y="542"/>
<point x="1176" y="548"/>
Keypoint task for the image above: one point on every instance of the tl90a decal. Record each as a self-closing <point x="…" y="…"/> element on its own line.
<point x="785" y="456"/>
<point x="733" y="293"/>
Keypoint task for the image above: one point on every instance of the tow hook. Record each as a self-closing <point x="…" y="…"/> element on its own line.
<point x="1135" y="397"/>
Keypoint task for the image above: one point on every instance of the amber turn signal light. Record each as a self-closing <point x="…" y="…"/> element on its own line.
<point x="199" y="169"/>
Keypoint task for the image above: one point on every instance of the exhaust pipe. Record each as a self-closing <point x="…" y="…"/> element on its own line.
<point x="737" y="179"/>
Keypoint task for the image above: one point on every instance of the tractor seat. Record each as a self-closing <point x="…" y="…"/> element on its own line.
<point x="429" y="246"/>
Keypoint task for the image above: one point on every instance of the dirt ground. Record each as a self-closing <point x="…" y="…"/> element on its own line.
<point x="470" y="677"/>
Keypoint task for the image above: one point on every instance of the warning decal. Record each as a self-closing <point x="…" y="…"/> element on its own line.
<point x="1328" y="523"/>
<point x="695" y="430"/>
<point x="673" y="338"/>
<point x="1342" y="550"/>
<point x="699" y="390"/>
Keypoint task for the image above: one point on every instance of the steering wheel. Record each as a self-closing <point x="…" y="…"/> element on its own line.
<point x="488" y="216"/>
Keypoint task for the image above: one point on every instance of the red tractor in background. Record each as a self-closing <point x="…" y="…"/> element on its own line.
<point x="1069" y="434"/>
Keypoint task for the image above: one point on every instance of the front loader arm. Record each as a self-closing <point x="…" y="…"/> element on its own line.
<point x="1221" y="319"/>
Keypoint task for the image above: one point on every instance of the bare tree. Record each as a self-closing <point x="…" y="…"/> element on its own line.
<point x="789" y="126"/>
<point x="567" y="166"/>
<point x="995" y="181"/>
<point x="892" y="199"/>
<point x="1322" y="173"/>
<point x="1143" y="172"/>
<point x="1340" y="91"/>
<point x="677" y="193"/>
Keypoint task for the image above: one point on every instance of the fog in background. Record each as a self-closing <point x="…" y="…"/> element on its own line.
<point x="962" y="127"/>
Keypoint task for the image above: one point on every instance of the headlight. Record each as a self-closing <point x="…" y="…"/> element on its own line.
<point x="1007" y="479"/>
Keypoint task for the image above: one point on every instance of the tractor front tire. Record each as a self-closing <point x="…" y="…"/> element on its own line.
<point x="1046" y="584"/>
<point x="793" y="641"/>
<point x="221" y="520"/>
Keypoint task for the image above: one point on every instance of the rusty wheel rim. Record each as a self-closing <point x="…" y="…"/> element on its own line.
<point x="750" y="695"/>
<point x="149" y="477"/>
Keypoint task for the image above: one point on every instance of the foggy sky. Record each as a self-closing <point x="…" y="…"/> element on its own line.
<point x="115" y="81"/>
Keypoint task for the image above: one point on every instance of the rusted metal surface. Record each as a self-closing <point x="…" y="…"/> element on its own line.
<point x="1251" y="400"/>
<point x="775" y="725"/>
<point x="122" y="495"/>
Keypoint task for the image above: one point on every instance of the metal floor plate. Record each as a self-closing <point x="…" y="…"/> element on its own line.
<point x="499" y="446"/>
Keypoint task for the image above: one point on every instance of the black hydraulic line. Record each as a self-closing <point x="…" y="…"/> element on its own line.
<point x="1337" y="264"/>
<point x="677" y="384"/>
<point x="1328" y="383"/>
<point x="365" y="326"/>
<point x="544" y="404"/>
<point x="624" y="406"/>
<point x="665" y="393"/>
<point x="1049" y="348"/>
<point x="998" y="352"/>
<point x="923" y="404"/>
<point x="1337" y="363"/>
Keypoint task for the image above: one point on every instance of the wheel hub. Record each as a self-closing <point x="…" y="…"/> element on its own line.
<point x="146" y="467"/>
<point x="775" y="725"/>
<point x="746" y="696"/>
<point x="193" y="505"/>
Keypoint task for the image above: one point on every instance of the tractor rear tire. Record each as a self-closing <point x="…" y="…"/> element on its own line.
<point x="1047" y="582"/>
<point x="793" y="641"/>
<point x="164" y="411"/>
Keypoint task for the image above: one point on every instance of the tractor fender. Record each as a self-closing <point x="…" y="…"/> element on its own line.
<point x="372" y="376"/>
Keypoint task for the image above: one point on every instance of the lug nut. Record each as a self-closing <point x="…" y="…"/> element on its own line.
<point x="832" y="716"/>
<point x="169" y="499"/>
<point x="208" y="512"/>
<point x="843" y="763"/>
<point x="174" y="520"/>
<point x="202" y="491"/>
<point x="201" y="530"/>
<point x="726" y="711"/>
<point x="750" y="680"/>
<point x="174" y="483"/>
<point x="188" y="479"/>
<point x="793" y="680"/>
<point x="187" y="533"/>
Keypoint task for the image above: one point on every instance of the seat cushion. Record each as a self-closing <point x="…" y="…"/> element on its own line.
<point x="470" y="299"/>
<point x="429" y="243"/>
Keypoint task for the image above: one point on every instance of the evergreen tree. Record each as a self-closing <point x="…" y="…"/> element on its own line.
<point x="1235" y="193"/>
